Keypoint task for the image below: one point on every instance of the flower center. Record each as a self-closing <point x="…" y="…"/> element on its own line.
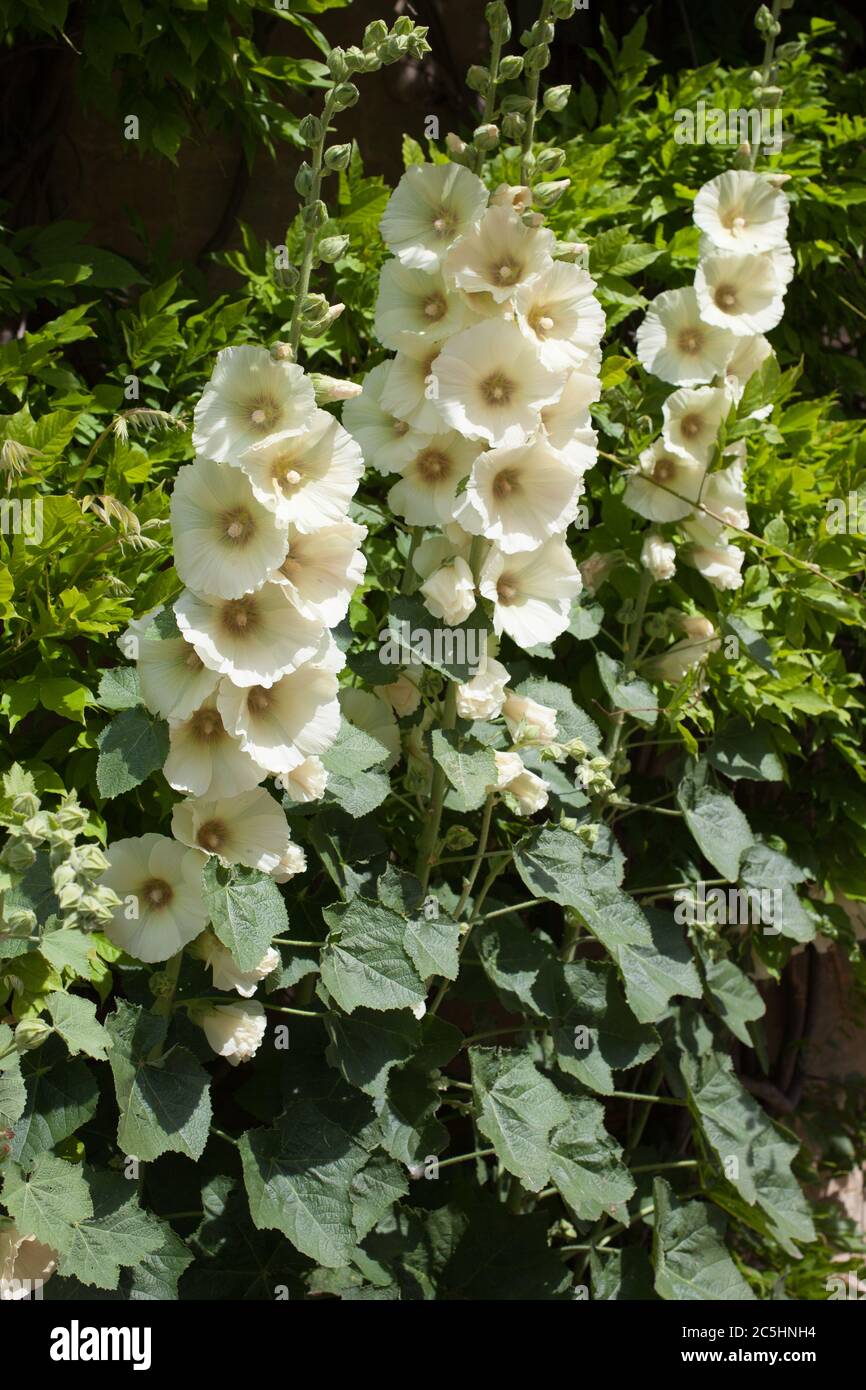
<point x="400" y="427"/>
<point x="726" y="298"/>
<point x="212" y="836"/>
<point x="690" y="341"/>
<point x="505" y="482"/>
<point x="541" y="321"/>
<point x="433" y="466"/>
<point x="238" y="526"/>
<point x="664" y="470"/>
<point x="240" y="616"/>
<point x="506" y="273"/>
<point x="157" y="893"/>
<point x="506" y="589"/>
<point x="193" y="661"/>
<point x="264" y="413"/>
<point x="259" y="700"/>
<point x="691" y="426"/>
<point x="435" y="307"/>
<point x="285" y="474"/>
<point x="734" y="220"/>
<point x="497" y="389"/>
<point x="445" y="222"/>
<point x="206" y="726"/>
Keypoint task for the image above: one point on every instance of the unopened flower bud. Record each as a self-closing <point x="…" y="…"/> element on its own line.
<point x="17" y="856"/>
<point x="329" y="389"/>
<point x="536" y="58"/>
<point x="314" y="216"/>
<point x="513" y="125"/>
<point x="337" y="65"/>
<point x="548" y="161"/>
<point x="556" y="98"/>
<point x="498" y="20"/>
<point x="742" y="156"/>
<point x="282" y="352"/>
<point x="547" y="194"/>
<point x="32" y="1033"/>
<point x="485" y="137"/>
<point x="375" y="33"/>
<point x="331" y="248"/>
<point x="356" y="59"/>
<point x="562" y="9"/>
<point x="571" y="250"/>
<point x="311" y="130"/>
<point x="510" y="66"/>
<point x="478" y="79"/>
<point x="454" y="144"/>
<point x="337" y="157"/>
<point x="304" y="180"/>
<point x="345" y="95"/>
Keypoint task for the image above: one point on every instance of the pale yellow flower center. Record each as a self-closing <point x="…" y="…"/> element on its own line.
<point x="212" y="836"/>
<point x="445" y="222"/>
<point x="435" y="307"/>
<point x="156" y="893"/>
<point x="505" y="273"/>
<point x="541" y="320"/>
<point x="264" y="413"/>
<point x="285" y="473"/>
<point x="506" y="589"/>
<point x="497" y="389"/>
<point x="691" y="426"/>
<point x="206" y="726"/>
<point x="240" y="616"/>
<point x="726" y="298"/>
<point x="734" y="220"/>
<point x="433" y="465"/>
<point x="193" y="661"/>
<point x="664" y="470"/>
<point x="690" y="341"/>
<point x="400" y="427"/>
<point x="507" y="480"/>
<point x="238" y="526"/>
<point x="259" y="700"/>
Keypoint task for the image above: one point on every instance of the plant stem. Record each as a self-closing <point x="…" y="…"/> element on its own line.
<point x="221" y="1134"/>
<point x="632" y="644"/>
<point x="515" y="907"/>
<point x="651" y="1100"/>
<point x="409" y="580"/>
<point x="289" y="941"/>
<point x="767" y="65"/>
<point x="463" y="1158"/>
<point x="303" y="285"/>
<point x="664" y="1167"/>
<point x="430" y="833"/>
<point x="483" y="836"/>
<point x="531" y="115"/>
<point x="297" y="1013"/>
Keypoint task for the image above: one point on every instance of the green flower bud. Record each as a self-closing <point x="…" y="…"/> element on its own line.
<point x="485" y="137"/>
<point x="70" y="816"/>
<point x="515" y="102"/>
<point x="337" y="65"/>
<point x="513" y="125"/>
<point x="459" y="837"/>
<point x="402" y="26"/>
<point x="478" y="79"/>
<point x="338" y="157"/>
<point x="536" y="59"/>
<point x="282" y="352"/>
<point x="375" y="33"/>
<point x="331" y="248"/>
<point x="31" y="1033"/>
<point x="18" y="922"/>
<point x="311" y="130"/>
<point x="548" y="161"/>
<point x="556" y="98"/>
<point x="498" y="20"/>
<point x="542" y="31"/>
<point x="17" y="856"/>
<point x="510" y="66"/>
<point x="345" y="95"/>
<point x="314" y="215"/>
<point x="394" y="48"/>
<point x="161" y="984"/>
<point x="742" y="156"/>
<point x="70" y="895"/>
<point x="563" y="9"/>
<point x="330" y="389"/>
<point x="356" y="60"/>
<point x="547" y="194"/>
<point x="304" y="180"/>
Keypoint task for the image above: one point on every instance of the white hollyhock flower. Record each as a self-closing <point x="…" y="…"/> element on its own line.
<point x="484" y="695"/>
<point x="308" y="479"/>
<point x="724" y="494"/>
<point x="692" y="417"/>
<point x="747" y="355"/>
<point x="25" y="1264"/>
<point x="250" y="395"/>
<point x="491" y="385"/>
<point x="173" y="678"/>
<point x="226" y="542"/>
<point x="253" y="640"/>
<point x="659" y="557"/>
<point x="741" y="211"/>
<point x="520" y="497"/>
<point x="449" y="593"/>
<point x="280" y="725"/>
<point x="718" y="562"/>
<point x="159" y="884"/>
<point x="439" y="550"/>
<point x="741" y="293"/>
<point x="781" y="257"/>
<point x="415" y="307"/>
<point x="306" y="782"/>
<point x="517" y="197"/>
<point x="432" y="205"/>
<point x="225" y="971"/>
<point x="293" y="862"/>
<point x="323" y="569"/>
<point x="410" y="393"/>
<point x="248" y="829"/>
<point x="673" y="664"/>
<point x="528" y="791"/>
<point x="234" y="1031"/>
<point x="386" y="442"/>
<point x="404" y="694"/>
<point x="532" y="591"/>
<point x="499" y="255"/>
<point x="569" y="415"/>
<point x="676" y="345"/>
<point x="204" y="759"/>
<point x="664" y="486"/>
<point x="374" y="717"/>
<point x="427" y="492"/>
<point x="529" y="723"/>
<point x="561" y="316"/>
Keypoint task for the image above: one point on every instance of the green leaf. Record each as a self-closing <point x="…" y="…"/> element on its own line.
<point x="118" y="1233"/>
<point x="246" y="909"/>
<point x="757" y="647"/>
<point x="13" y="1095"/>
<point x="416" y="635"/>
<point x="741" y="750"/>
<point x="689" y="1255"/>
<point x="471" y="773"/>
<point x="375" y="1189"/>
<point x="407" y="1117"/>
<point x="65" y="696"/>
<point x="522" y="966"/>
<point x="298" y="1177"/>
<point x="516" y="1110"/>
<point x="498" y="1257"/>
<point x="68" y="948"/>
<point x="596" y="1034"/>
<point x="353" y="751"/>
<point x="164" y="1104"/>
<point x="74" y="1018"/>
<point x="628" y="693"/>
<point x="718" y="825"/>
<point x="234" y="1260"/>
<point x="784" y="913"/>
<point x="49" y="1201"/>
<point x="119" y="688"/>
<point x="586" y="1163"/>
<point x="365" y="961"/>
<point x="622" y="1275"/>
<point x="360" y="793"/>
<point x="131" y="747"/>
<point x="432" y="945"/>
<point x="366" y="1046"/>
<point x="155" y="1277"/>
<point x="734" y="997"/>
<point x="571" y="721"/>
<point x="62" y="1095"/>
